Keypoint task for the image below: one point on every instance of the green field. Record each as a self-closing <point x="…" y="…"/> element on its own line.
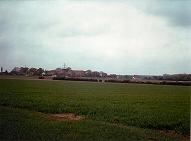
<point x="110" y="111"/>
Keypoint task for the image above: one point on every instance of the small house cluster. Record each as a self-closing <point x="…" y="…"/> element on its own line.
<point x="67" y="72"/>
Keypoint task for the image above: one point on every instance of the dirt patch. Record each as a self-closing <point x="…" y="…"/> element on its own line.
<point x="67" y="117"/>
<point x="174" y="134"/>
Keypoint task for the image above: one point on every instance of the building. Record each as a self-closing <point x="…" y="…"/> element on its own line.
<point x="136" y="77"/>
<point x="15" y="71"/>
<point x="50" y="73"/>
<point x="76" y="73"/>
<point x="103" y="74"/>
<point x="113" y="75"/>
<point x="96" y="73"/>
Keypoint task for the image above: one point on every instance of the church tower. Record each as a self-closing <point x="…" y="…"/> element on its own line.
<point x="1" y="69"/>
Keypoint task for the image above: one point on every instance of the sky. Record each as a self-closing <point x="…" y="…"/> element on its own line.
<point x="121" y="37"/>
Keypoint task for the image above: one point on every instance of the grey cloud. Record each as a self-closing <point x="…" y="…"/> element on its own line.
<point x="72" y="32"/>
<point x="177" y="13"/>
<point x="107" y="36"/>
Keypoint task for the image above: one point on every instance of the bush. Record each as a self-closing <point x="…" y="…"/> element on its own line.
<point x="126" y="81"/>
<point x="75" y="79"/>
<point x="183" y="83"/>
<point x="41" y="77"/>
<point x="148" y="82"/>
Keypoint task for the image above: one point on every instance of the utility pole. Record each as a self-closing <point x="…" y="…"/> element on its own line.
<point x="64" y="66"/>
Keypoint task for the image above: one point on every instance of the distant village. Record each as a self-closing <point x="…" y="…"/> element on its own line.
<point x="69" y="72"/>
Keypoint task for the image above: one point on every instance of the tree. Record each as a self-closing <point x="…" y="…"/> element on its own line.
<point x="39" y="71"/>
<point x="23" y="70"/>
<point x="6" y="72"/>
<point x="89" y="73"/>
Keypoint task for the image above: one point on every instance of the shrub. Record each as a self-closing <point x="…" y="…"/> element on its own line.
<point x="126" y="81"/>
<point x="148" y="82"/>
<point x="41" y="77"/>
<point x="75" y="79"/>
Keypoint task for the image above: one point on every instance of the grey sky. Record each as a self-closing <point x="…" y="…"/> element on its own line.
<point x="122" y="37"/>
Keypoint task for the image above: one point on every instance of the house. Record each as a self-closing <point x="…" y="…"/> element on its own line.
<point x="19" y="71"/>
<point x="113" y="75"/>
<point x="66" y="71"/>
<point x="103" y="74"/>
<point x="24" y="70"/>
<point x="16" y="70"/>
<point x="43" y="74"/>
<point x="50" y="73"/>
<point x="154" y="78"/>
<point x="32" y="71"/>
<point x="136" y="77"/>
<point x="76" y="73"/>
<point x="96" y="73"/>
<point x="120" y="76"/>
<point x="59" y="71"/>
<point x="89" y="73"/>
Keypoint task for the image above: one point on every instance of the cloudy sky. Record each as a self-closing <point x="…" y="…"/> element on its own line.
<point x="122" y="37"/>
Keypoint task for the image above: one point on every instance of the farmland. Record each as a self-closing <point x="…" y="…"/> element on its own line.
<point x="109" y="111"/>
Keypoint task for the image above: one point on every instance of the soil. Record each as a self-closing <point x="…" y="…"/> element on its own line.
<point x="67" y="117"/>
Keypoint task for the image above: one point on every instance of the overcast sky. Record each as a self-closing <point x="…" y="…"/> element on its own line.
<point x="122" y="37"/>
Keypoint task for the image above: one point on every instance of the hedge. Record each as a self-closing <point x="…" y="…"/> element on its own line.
<point x="75" y="79"/>
<point x="183" y="83"/>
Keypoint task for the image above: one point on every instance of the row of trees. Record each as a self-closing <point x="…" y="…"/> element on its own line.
<point x="89" y="73"/>
<point x="26" y="71"/>
<point x="177" y="77"/>
<point x="183" y="83"/>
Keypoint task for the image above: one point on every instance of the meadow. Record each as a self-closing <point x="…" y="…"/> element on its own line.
<point x="110" y="111"/>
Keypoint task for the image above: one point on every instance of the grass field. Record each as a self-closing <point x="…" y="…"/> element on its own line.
<point x="110" y="111"/>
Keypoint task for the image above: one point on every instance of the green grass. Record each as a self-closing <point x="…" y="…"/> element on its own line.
<point x="112" y="111"/>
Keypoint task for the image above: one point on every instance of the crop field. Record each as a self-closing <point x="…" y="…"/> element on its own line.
<point x="64" y="110"/>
